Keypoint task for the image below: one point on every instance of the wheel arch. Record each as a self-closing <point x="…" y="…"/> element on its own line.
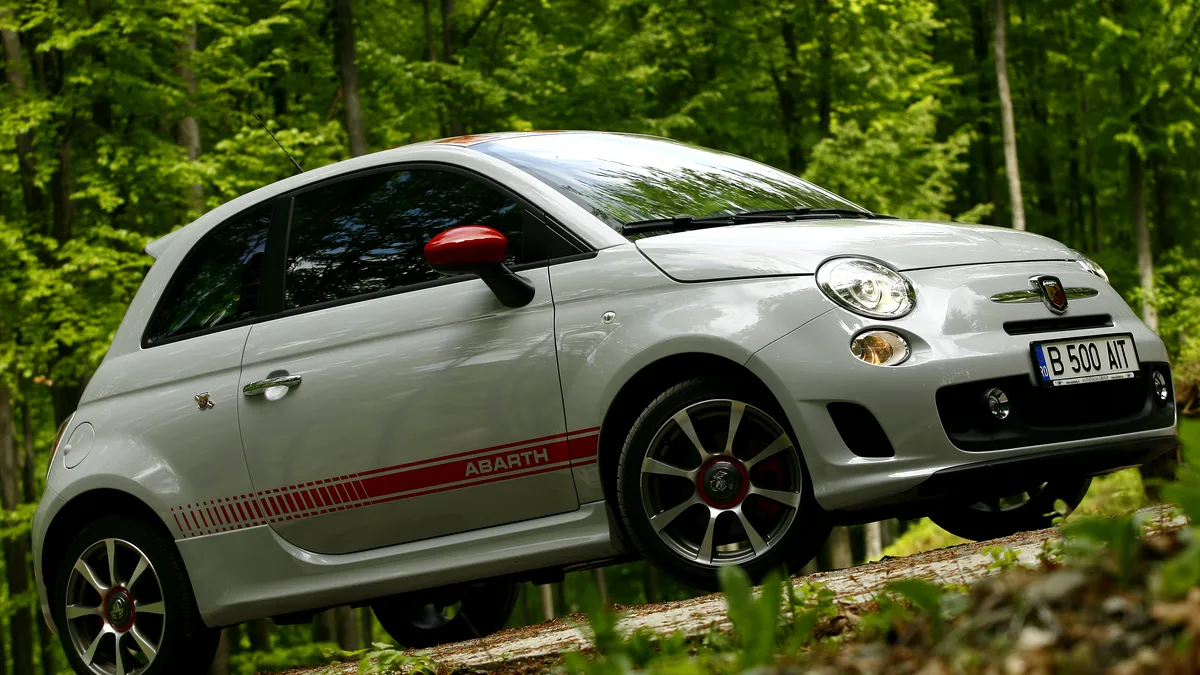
<point x="80" y="510"/>
<point x="646" y="384"/>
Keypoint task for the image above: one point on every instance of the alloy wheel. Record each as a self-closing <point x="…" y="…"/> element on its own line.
<point x="721" y="482"/>
<point x="115" y="611"/>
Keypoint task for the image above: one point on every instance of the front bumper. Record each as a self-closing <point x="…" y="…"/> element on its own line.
<point x="957" y="337"/>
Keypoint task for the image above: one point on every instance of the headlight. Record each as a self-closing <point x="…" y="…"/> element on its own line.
<point x="866" y="287"/>
<point x="1090" y="265"/>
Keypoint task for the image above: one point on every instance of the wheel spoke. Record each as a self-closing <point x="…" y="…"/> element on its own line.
<point x="77" y="611"/>
<point x="685" y="423"/>
<point x="110" y="548"/>
<point x="665" y="518"/>
<point x="756" y="541"/>
<point x="120" y="660"/>
<point x="736" y="408"/>
<point x="142" y="564"/>
<point x="143" y="644"/>
<point x="705" y="554"/>
<point x="89" y="575"/>
<point x="776" y="446"/>
<point x="791" y="499"/>
<point x="90" y="654"/>
<point x="654" y="466"/>
<point x="150" y="608"/>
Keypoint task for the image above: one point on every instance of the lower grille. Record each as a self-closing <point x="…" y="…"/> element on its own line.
<point x="860" y="430"/>
<point x="1043" y="415"/>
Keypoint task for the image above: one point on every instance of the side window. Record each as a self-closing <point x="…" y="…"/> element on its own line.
<point x="368" y="234"/>
<point x="218" y="282"/>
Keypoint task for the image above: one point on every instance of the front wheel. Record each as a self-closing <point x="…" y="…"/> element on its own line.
<point x="709" y="476"/>
<point x="124" y="605"/>
<point x="476" y="610"/>
<point x="1032" y="509"/>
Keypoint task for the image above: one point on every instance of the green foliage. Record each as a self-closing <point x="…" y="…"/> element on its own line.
<point x="383" y="659"/>
<point x="1003" y="557"/>
<point x="755" y="620"/>
<point x="922" y="535"/>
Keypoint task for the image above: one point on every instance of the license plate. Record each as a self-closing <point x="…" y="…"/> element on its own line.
<point x="1085" y="360"/>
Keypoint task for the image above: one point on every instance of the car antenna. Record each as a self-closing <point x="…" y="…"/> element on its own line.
<point x="299" y="169"/>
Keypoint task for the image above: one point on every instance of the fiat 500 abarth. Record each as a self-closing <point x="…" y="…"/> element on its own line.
<point x="414" y="379"/>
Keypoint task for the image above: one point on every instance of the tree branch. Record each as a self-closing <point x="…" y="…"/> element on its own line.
<point x="466" y="38"/>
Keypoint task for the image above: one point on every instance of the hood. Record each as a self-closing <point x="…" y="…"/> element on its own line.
<point x="792" y="248"/>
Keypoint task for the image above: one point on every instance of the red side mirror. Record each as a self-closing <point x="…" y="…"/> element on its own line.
<point x="477" y="249"/>
<point x="466" y="249"/>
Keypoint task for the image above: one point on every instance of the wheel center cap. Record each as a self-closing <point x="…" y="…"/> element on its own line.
<point x="120" y="609"/>
<point x="722" y="482"/>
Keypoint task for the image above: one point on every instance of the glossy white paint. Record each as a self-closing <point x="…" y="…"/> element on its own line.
<point x="424" y="375"/>
<point x="404" y="379"/>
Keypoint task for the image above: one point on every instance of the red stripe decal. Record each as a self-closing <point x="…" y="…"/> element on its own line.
<point x="412" y="479"/>
<point x="177" y="523"/>
<point x="583" y="448"/>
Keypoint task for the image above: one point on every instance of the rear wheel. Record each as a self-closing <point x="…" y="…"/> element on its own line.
<point x="471" y="611"/>
<point x="1031" y="509"/>
<point x="124" y="605"/>
<point x="709" y="476"/>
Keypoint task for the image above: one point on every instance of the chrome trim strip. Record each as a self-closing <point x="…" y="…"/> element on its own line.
<point x="1073" y="293"/>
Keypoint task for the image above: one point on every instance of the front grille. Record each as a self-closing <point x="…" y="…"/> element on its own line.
<point x="860" y="430"/>
<point x="1043" y="415"/>
<point x="1060" y="323"/>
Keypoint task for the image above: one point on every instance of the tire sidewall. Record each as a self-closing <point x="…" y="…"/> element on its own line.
<point x="188" y="645"/>
<point x="485" y="609"/>
<point x="969" y="523"/>
<point x="800" y="543"/>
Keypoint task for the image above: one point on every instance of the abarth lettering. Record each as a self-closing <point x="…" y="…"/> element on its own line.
<point x="514" y="460"/>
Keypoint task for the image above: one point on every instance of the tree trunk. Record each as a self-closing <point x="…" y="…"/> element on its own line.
<point x="189" y="128"/>
<point x="547" y="602"/>
<point x="346" y="627"/>
<point x="63" y="184"/>
<point x="825" y="75"/>
<point x="34" y="201"/>
<point x="259" y="632"/>
<point x="220" y="663"/>
<point x="987" y="165"/>
<point x="653" y="583"/>
<point x="840" y="554"/>
<point x="431" y="50"/>
<point x="16" y="567"/>
<point x="601" y="585"/>
<point x="1137" y="197"/>
<point x="366" y="625"/>
<point x="348" y="70"/>
<point x="1006" y="120"/>
<point x="46" y="644"/>
<point x="789" y="114"/>
<point x="457" y="128"/>
<point x="874" y="537"/>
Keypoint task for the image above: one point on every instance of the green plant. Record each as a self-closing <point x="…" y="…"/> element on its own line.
<point x="755" y="621"/>
<point x="1002" y="557"/>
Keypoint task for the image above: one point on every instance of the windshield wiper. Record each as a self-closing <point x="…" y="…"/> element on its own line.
<point x="694" y="223"/>
<point x="677" y="223"/>
<point x="806" y="212"/>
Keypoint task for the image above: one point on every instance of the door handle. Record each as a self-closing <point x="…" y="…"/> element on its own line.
<point x="271" y="385"/>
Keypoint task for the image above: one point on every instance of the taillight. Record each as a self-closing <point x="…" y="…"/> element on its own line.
<point x="62" y="429"/>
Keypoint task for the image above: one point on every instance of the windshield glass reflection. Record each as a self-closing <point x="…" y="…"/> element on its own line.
<point x="623" y="179"/>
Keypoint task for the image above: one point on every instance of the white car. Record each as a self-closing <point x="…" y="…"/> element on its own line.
<point x="415" y="378"/>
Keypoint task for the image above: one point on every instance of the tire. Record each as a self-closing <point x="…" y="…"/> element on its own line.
<point x="1001" y="517"/>
<point x="416" y="623"/>
<point x="659" y="460"/>
<point x="163" y="616"/>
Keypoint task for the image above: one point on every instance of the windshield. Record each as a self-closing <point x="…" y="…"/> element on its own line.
<point x="627" y="179"/>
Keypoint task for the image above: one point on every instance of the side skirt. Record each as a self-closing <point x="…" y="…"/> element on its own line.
<point x="253" y="573"/>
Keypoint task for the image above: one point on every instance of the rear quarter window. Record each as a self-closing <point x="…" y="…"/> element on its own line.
<point x="218" y="282"/>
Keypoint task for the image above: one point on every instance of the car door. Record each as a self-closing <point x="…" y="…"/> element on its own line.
<point x="393" y="404"/>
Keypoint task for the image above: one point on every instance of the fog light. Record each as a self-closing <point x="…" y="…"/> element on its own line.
<point x="997" y="403"/>
<point x="1161" y="390"/>
<point x="880" y="348"/>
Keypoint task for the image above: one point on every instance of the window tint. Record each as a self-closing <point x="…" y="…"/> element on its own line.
<point x="219" y="281"/>
<point x="368" y="234"/>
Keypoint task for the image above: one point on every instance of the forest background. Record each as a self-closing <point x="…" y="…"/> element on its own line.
<point x="121" y="120"/>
